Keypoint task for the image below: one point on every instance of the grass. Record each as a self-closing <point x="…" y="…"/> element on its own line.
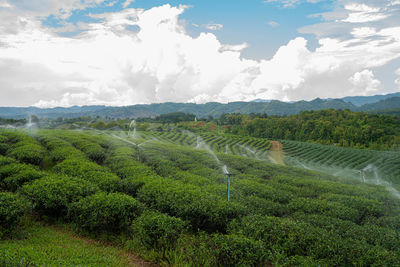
<point x="46" y="245"/>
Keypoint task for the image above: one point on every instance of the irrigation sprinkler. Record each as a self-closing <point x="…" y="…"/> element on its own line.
<point x="228" y="186"/>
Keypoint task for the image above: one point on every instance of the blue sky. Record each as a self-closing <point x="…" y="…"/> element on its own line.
<point x="243" y="20"/>
<point x="82" y="52"/>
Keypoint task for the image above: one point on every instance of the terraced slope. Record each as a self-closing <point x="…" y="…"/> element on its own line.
<point x="366" y="164"/>
<point x="245" y="146"/>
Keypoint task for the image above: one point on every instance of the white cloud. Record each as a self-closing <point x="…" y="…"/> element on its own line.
<point x="273" y="24"/>
<point x="291" y="3"/>
<point x="127" y="3"/>
<point x="397" y="81"/>
<point x="214" y="26"/>
<point x="5" y="4"/>
<point x="234" y="48"/>
<point x="361" y="13"/>
<point x="110" y="64"/>
<point x="365" y="81"/>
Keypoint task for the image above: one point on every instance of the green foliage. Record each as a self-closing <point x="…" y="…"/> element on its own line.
<point x="156" y="230"/>
<point x="221" y="250"/>
<point x="91" y="172"/>
<point x="6" y="160"/>
<point x="51" y="195"/>
<point x="17" y="179"/>
<point x="112" y="212"/>
<point x="356" y="163"/>
<point x="277" y="215"/>
<point x="343" y="127"/>
<point x="28" y="153"/>
<point x="49" y="245"/>
<point x="286" y="239"/>
<point x="205" y="211"/>
<point x="233" y="250"/>
<point x="13" y="259"/>
<point x="12" y="209"/>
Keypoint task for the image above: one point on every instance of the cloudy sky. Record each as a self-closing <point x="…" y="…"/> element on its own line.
<point x="123" y="52"/>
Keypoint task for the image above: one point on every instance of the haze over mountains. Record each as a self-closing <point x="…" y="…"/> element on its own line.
<point x="271" y="107"/>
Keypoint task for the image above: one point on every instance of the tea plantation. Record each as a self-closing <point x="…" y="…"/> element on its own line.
<point x="162" y="195"/>
<point x="371" y="164"/>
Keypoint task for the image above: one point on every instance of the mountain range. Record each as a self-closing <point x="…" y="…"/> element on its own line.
<point x="378" y="103"/>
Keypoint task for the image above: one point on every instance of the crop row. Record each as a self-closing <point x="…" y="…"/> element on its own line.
<point x="244" y="146"/>
<point x="171" y="197"/>
<point x="364" y="162"/>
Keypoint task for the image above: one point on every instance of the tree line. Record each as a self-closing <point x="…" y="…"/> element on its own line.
<point x="340" y="127"/>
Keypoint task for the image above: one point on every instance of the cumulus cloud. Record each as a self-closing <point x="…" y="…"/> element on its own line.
<point x="109" y="63"/>
<point x="365" y="81"/>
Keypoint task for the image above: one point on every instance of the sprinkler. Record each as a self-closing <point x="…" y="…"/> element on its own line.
<point x="228" y="186"/>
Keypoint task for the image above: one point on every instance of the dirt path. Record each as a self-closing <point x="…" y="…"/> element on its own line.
<point x="276" y="152"/>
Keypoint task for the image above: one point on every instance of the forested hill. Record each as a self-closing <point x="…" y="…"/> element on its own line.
<point x="213" y="109"/>
<point x="341" y="127"/>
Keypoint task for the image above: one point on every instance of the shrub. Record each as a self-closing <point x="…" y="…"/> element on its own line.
<point x="91" y="172"/>
<point x="233" y="250"/>
<point x="29" y="153"/>
<point x="62" y="153"/>
<point x="205" y="211"/>
<point x="15" y="181"/>
<point x="51" y="195"/>
<point x="12" y="208"/>
<point x="112" y="212"/>
<point x="6" y="160"/>
<point x="10" y="169"/>
<point x="221" y="250"/>
<point x="158" y="230"/>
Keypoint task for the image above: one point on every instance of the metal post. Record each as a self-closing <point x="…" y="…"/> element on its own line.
<point x="228" y="187"/>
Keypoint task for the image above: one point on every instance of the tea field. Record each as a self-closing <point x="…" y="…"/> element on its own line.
<point x="162" y="196"/>
<point x="375" y="166"/>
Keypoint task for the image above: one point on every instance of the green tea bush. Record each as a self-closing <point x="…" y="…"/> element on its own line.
<point x="112" y="212"/>
<point x="29" y="153"/>
<point x="12" y="209"/>
<point x="11" y="169"/>
<point x="91" y="172"/>
<point x="157" y="230"/>
<point x="6" y="160"/>
<point x="234" y="250"/>
<point x="16" y="180"/>
<point x="336" y="210"/>
<point x="3" y="148"/>
<point x="94" y="151"/>
<point x="286" y="238"/>
<point x="221" y="250"/>
<point x="366" y="207"/>
<point x="52" y="195"/>
<point x="204" y="210"/>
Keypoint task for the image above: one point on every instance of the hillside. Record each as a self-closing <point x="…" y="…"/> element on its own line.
<point x="163" y="195"/>
<point x="362" y="100"/>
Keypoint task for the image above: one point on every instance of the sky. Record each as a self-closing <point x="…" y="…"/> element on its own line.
<point x="126" y="52"/>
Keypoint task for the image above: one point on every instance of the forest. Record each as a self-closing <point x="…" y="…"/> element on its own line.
<point x="161" y="193"/>
<point x="338" y="127"/>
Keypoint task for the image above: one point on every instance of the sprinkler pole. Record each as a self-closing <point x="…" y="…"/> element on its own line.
<point x="228" y="187"/>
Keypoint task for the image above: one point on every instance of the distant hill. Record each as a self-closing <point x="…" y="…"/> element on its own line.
<point x="390" y="103"/>
<point x="363" y="100"/>
<point x="214" y="109"/>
